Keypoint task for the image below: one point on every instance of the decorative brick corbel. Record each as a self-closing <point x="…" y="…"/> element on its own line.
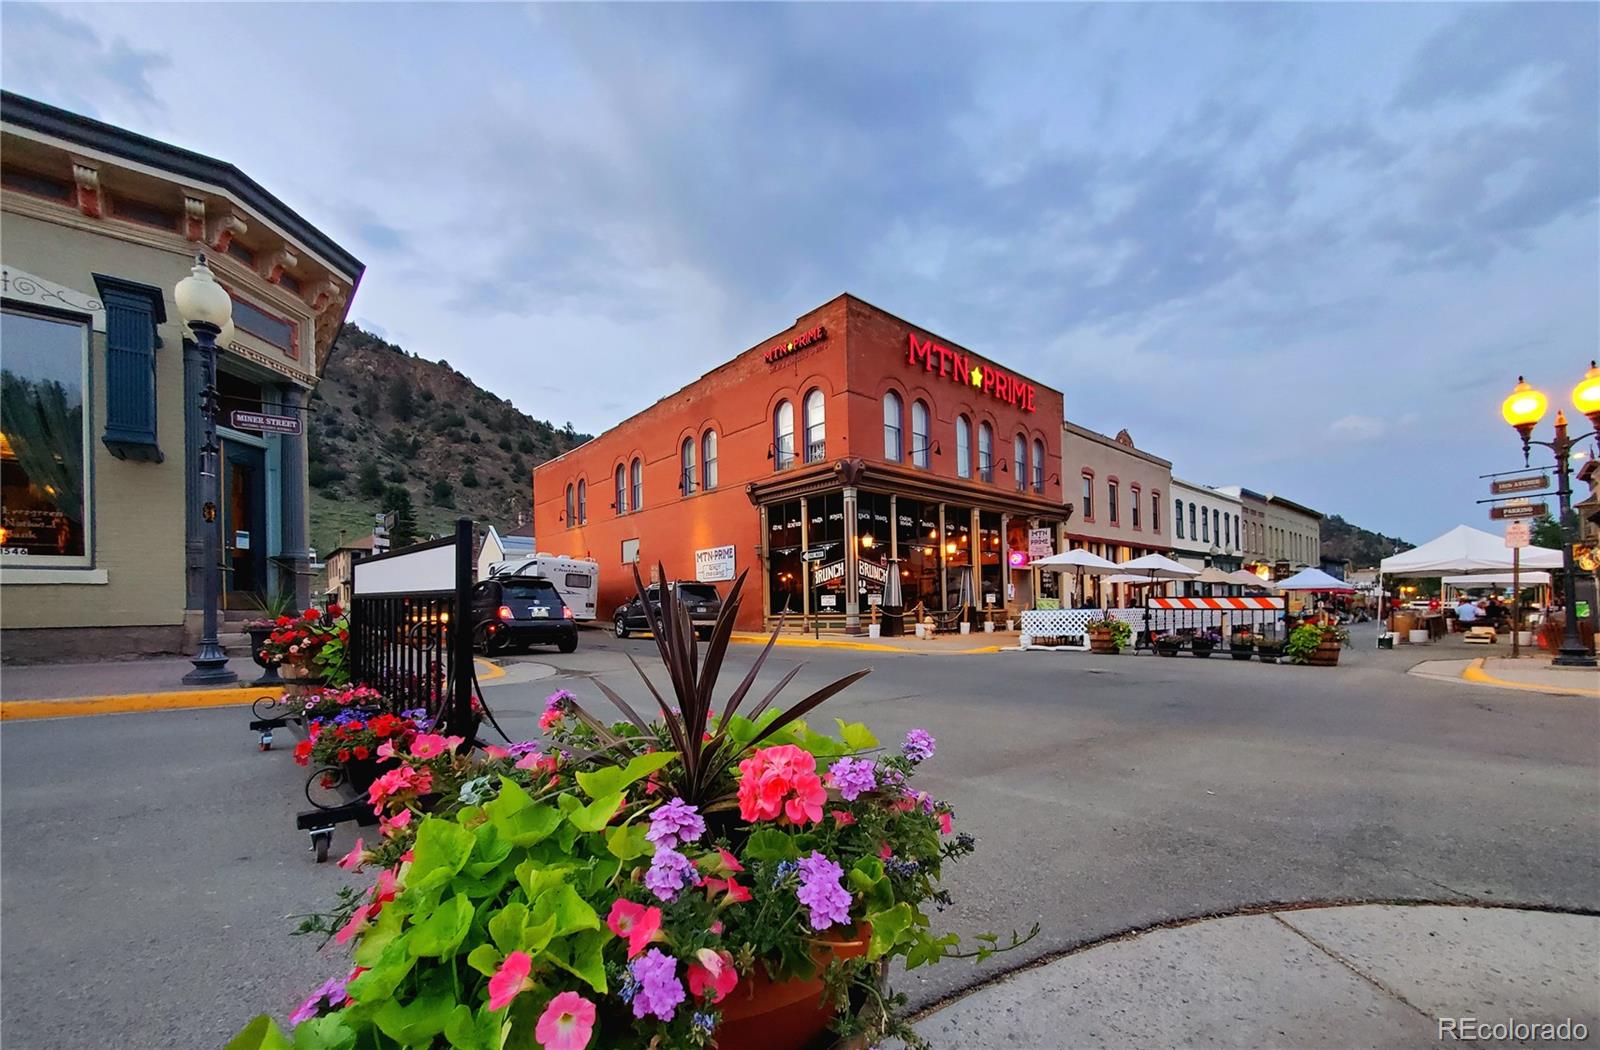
<point x="224" y="230"/>
<point x="323" y="294"/>
<point x="280" y="260"/>
<point x="194" y="217"/>
<point x="87" y="177"/>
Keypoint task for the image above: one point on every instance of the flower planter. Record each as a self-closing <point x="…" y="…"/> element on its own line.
<point x="1168" y="646"/>
<point x="1242" y="652"/>
<point x="1269" y="653"/>
<point x="1202" y="647"/>
<point x="761" y="1014"/>
<point x="269" y="668"/>
<point x="1326" y="653"/>
<point x="1101" y="641"/>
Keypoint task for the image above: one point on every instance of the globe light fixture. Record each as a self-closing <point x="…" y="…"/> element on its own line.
<point x="1525" y="406"/>
<point x="201" y="300"/>
<point x="1586" y="395"/>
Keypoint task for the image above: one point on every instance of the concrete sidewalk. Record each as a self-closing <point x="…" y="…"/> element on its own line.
<point x="109" y="678"/>
<point x="1528" y="673"/>
<point x="1341" y="977"/>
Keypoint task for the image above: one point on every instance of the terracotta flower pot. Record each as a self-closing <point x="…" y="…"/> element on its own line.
<point x="761" y="1014"/>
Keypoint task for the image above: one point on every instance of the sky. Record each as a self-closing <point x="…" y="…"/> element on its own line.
<point x="1305" y="248"/>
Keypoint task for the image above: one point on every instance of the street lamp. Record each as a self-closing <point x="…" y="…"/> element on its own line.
<point x="1523" y="409"/>
<point x="207" y="309"/>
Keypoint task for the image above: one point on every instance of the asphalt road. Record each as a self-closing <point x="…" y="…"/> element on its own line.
<point x="149" y="863"/>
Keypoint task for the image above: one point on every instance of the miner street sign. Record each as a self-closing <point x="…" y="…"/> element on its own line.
<point x="267" y="424"/>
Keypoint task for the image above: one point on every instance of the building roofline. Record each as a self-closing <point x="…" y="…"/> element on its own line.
<point x="1292" y="505"/>
<point x="1204" y="488"/>
<point x="59" y="123"/>
<point x="1113" y="443"/>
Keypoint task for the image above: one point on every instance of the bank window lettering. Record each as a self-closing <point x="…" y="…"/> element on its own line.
<point x="44" y="475"/>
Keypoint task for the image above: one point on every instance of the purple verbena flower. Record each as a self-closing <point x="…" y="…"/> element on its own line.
<point x="659" y="991"/>
<point x="852" y="776"/>
<point x="707" y="1023"/>
<point x="558" y="700"/>
<point x="918" y="746"/>
<point x="821" y="892"/>
<point x="526" y="747"/>
<point x="669" y="872"/>
<point x="675" y="823"/>
<point x="330" y="991"/>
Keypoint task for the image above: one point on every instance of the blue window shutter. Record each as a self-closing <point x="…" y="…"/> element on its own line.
<point x="132" y="313"/>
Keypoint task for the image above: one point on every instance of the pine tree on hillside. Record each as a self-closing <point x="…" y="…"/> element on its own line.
<point x="370" y="482"/>
<point x="397" y="501"/>
<point x="401" y="402"/>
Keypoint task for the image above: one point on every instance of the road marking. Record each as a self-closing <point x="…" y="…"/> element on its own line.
<point x="1474" y="672"/>
<point x="488" y="671"/>
<point x="751" y="638"/>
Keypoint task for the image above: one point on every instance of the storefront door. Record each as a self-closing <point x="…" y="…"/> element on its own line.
<point x="244" y="523"/>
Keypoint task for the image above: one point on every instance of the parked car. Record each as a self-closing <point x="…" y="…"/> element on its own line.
<point x="517" y="612"/>
<point x="703" y="602"/>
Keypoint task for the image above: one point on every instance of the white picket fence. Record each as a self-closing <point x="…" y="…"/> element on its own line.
<point x="1068" y="628"/>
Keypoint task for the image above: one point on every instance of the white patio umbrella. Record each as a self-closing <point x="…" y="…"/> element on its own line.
<point x="1081" y="562"/>
<point x="1313" y="580"/>
<point x="1247" y="579"/>
<point x="1153" y="567"/>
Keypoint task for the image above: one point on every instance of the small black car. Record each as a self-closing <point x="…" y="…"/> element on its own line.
<point x="702" y="600"/>
<point x="519" y="611"/>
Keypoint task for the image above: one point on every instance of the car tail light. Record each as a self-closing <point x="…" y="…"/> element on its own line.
<point x="505" y="613"/>
<point x="566" y="613"/>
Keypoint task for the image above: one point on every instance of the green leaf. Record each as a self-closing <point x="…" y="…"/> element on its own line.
<point x="491" y="846"/>
<point x="331" y="1032"/>
<point x="771" y="844"/>
<point x="466" y="1030"/>
<point x="596" y="814"/>
<point x="609" y="780"/>
<point x="536" y="879"/>
<point x="441" y="850"/>
<point x="856" y="735"/>
<point x="262" y="1033"/>
<point x="511" y="798"/>
<point x="385" y="976"/>
<point x="870" y="886"/>
<point x="485" y="958"/>
<point x="380" y="935"/>
<point x="570" y="911"/>
<point x="413" y="1023"/>
<point x="580" y="956"/>
<point x="505" y="928"/>
<point x="889" y="928"/>
<point x="528" y="825"/>
<point x="628" y="842"/>
<point x="440" y="932"/>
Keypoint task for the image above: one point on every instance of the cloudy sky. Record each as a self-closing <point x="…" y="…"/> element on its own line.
<point x="1306" y="248"/>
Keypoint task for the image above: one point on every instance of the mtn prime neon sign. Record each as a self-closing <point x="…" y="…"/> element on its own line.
<point x="963" y="368"/>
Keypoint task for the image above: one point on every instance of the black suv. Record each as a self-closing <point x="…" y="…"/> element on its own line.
<point x="701" y="599"/>
<point x="518" y="612"/>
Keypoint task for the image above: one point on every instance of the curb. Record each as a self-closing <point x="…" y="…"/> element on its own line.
<point x="1474" y="672"/>
<point x="747" y="638"/>
<point x="177" y="700"/>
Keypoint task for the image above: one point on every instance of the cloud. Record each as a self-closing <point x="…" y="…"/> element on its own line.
<point x="1357" y="428"/>
<point x="65" y="58"/>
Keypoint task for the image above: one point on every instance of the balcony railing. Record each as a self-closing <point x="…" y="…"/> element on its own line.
<point x="816" y="451"/>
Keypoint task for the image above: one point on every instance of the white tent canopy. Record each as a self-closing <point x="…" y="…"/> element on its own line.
<point x="1157" y="567"/>
<point x="1529" y="578"/>
<point x="1079" y="560"/>
<point x="1465" y="550"/>
<point x="1312" y="580"/>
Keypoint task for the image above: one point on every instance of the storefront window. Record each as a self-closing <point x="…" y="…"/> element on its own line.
<point x="784" y="564"/>
<point x="917" y="531"/>
<point x="44" y="472"/>
<point x="991" y="589"/>
<point x="958" y="557"/>
<point x="825" y="546"/>
<point x="872" y="547"/>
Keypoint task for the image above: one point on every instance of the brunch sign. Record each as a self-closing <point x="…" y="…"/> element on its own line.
<point x="960" y="367"/>
<point x="799" y="342"/>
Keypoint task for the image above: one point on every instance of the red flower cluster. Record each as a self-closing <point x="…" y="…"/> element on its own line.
<point x="298" y="639"/>
<point x="347" y="738"/>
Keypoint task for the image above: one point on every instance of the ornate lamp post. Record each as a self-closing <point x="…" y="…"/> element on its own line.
<point x="1523" y="409"/>
<point x="208" y="311"/>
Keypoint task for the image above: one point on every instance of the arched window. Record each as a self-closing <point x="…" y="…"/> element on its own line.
<point x="892" y="443"/>
<point x="636" y="481"/>
<point x="1038" y="465"/>
<point x="783" y="436"/>
<point x="571" y="517"/>
<point x="1227" y="530"/>
<point x="1194" y="533"/>
<point x="686" y="467"/>
<point x="1019" y="462"/>
<point x="919" y="433"/>
<point x="583" y="501"/>
<point x="708" y="460"/>
<point x="621" y="495"/>
<point x="985" y="452"/>
<point x="816" y="427"/>
<point x="1177" y="511"/>
<point x="1205" y="526"/>
<point x="963" y="447"/>
<point x="1216" y="524"/>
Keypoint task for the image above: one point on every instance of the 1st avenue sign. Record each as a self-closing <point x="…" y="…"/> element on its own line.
<point x="1525" y="483"/>
<point x="266" y="424"/>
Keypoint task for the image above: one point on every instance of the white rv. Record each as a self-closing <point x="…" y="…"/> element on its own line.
<point x="576" y="579"/>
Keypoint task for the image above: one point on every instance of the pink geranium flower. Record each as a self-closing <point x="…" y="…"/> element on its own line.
<point x="566" y="1024"/>
<point x="639" y="923"/>
<point x="712" y="973"/>
<point x="781" y="783"/>
<point x="389" y="826"/>
<point x="510" y="981"/>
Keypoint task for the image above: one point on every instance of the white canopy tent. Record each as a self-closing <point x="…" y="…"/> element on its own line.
<point x="1531" y="578"/>
<point x="1463" y="551"/>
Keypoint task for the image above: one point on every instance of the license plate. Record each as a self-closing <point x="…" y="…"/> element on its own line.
<point x="540" y="612"/>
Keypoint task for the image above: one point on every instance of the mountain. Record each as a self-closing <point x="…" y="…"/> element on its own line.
<point x="1361" y="548"/>
<point x="384" y="421"/>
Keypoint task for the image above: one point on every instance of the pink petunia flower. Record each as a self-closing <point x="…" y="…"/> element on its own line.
<point x="388" y="827"/>
<point x="510" y="981"/>
<point x="432" y="745"/>
<point x="357" y="923"/>
<point x="495" y="752"/>
<point x="712" y="972"/>
<point x="352" y="861"/>
<point x="843" y="817"/>
<point x="946" y="826"/>
<point x="566" y="1024"/>
<point x="639" y="923"/>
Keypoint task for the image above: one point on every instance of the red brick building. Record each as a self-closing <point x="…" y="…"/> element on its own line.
<point x="849" y="445"/>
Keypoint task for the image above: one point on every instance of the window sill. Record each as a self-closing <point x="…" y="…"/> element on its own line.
<point x="14" y="576"/>
<point x="135" y="449"/>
